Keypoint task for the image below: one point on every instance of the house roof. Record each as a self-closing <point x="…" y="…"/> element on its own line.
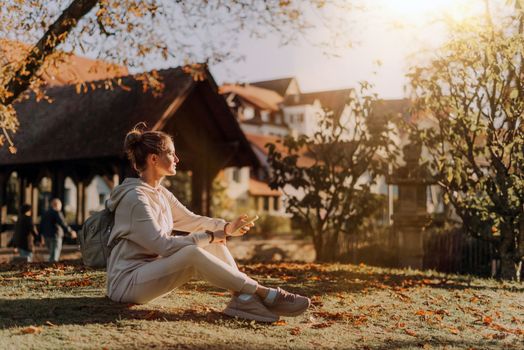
<point x="280" y="86"/>
<point x="69" y="70"/>
<point x="260" y="141"/>
<point x="260" y="188"/>
<point x="399" y="107"/>
<point x="93" y="125"/>
<point x="261" y="98"/>
<point x="334" y="100"/>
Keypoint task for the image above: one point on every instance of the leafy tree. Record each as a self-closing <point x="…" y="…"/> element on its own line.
<point x="327" y="178"/>
<point x="134" y="32"/>
<point x="473" y="91"/>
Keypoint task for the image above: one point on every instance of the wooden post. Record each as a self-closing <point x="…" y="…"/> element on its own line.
<point x="197" y="189"/>
<point x="58" y="187"/>
<point x="21" y="186"/>
<point x="3" y="183"/>
<point x="80" y="203"/>
<point x="34" y="203"/>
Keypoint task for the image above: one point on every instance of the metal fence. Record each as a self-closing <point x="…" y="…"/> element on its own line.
<point x="445" y="251"/>
<point x="455" y="252"/>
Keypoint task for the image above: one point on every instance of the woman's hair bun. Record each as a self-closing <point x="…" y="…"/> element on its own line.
<point x="132" y="138"/>
<point x="135" y="136"/>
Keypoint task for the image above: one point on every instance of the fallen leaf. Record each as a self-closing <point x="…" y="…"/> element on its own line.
<point x="32" y="330"/>
<point x="322" y="325"/>
<point x="295" y="331"/>
<point x="487" y="320"/>
<point x="454" y="331"/>
<point x="280" y="323"/>
<point x="410" y="332"/>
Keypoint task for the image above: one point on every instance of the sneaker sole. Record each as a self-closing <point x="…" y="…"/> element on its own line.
<point x="294" y="313"/>
<point x="248" y="316"/>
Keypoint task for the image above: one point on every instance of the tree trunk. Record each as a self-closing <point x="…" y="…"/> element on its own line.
<point x="54" y="36"/>
<point x="326" y="246"/>
<point x="508" y="265"/>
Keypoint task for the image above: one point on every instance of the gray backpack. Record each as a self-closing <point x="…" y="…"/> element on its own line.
<point x="94" y="236"/>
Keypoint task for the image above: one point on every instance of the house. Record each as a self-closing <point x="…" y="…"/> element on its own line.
<point x="277" y="108"/>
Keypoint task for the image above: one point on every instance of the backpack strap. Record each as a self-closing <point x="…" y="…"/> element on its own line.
<point x="115" y="241"/>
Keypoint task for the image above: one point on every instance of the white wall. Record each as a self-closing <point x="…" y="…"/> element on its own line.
<point x="96" y="189"/>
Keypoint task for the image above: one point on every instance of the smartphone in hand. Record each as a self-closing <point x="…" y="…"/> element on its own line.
<point x="249" y="221"/>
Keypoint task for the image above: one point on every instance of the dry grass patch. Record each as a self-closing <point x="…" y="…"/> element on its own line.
<point x="50" y="306"/>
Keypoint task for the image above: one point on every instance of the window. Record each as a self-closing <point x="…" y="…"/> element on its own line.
<point x="265" y="116"/>
<point x="266" y="203"/>
<point x="276" y="203"/>
<point x="248" y="113"/>
<point x="236" y="174"/>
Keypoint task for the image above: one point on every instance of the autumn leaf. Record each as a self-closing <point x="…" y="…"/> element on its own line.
<point x="410" y="332"/>
<point x="454" y="331"/>
<point x="295" y="331"/>
<point x="280" y="323"/>
<point x="322" y="325"/>
<point x="487" y="320"/>
<point x="32" y="330"/>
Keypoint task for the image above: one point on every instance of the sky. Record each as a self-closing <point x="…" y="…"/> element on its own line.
<point x="391" y="31"/>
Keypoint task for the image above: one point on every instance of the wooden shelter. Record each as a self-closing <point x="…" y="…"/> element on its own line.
<point x="80" y="135"/>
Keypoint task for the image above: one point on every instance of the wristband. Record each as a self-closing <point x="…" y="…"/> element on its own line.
<point x="212" y="234"/>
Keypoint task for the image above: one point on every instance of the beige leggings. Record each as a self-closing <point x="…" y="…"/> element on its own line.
<point x="212" y="263"/>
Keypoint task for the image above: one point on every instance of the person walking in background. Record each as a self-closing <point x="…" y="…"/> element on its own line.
<point x="52" y="228"/>
<point x="25" y="233"/>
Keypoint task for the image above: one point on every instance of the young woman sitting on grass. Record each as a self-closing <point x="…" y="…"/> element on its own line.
<point x="148" y="261"/>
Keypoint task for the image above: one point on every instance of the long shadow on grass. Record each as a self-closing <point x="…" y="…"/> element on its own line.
<point x="90" y="310"/>
<point x="316" y="279"/>
<point x="440" y="343"/>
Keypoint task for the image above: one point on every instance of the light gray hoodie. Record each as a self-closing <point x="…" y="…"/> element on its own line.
<point x="144" y="219"/>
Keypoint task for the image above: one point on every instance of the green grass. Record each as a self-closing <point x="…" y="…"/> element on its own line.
<point x="54" y="306"/>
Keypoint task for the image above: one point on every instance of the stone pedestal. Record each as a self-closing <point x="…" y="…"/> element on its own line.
<point x="411" y="217"/>
<point x="410" y="239"/>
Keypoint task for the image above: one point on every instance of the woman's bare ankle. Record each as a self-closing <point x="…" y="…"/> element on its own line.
<point x="262" y="291"/>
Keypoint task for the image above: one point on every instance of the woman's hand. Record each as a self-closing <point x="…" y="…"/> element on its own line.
<point x="237" y="228"/>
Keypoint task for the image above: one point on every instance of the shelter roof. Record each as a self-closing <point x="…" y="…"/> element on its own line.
<point x="93" y="125"/>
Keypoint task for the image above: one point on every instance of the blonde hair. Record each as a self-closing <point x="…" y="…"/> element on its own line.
<point x="139" y="143"/>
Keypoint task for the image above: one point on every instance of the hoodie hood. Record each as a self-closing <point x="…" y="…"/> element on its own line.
<point x="129" y="184"/>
